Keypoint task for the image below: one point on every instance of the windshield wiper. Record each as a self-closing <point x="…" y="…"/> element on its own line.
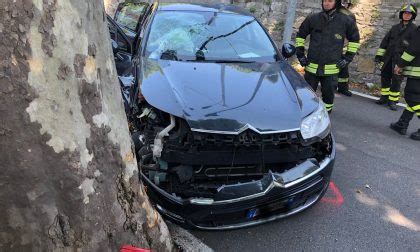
<point x="200" y="54"/>
<point x="224" y="35"/>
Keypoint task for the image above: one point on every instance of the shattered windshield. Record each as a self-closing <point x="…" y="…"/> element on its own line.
<point x="208" y="36"/>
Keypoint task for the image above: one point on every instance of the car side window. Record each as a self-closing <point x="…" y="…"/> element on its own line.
<point x="129" y="15"/>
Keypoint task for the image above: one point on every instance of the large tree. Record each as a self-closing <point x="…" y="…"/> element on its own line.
<point x="68" y="176"/>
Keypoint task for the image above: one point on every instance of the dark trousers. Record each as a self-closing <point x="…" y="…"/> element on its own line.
<point x="328" y="86"/>
<point x="343" y="78"/>
<point x="391" y="83"/>
<point x="412" y="96"/>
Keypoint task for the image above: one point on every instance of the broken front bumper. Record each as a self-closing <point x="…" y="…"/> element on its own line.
<point x="276" y="195"/>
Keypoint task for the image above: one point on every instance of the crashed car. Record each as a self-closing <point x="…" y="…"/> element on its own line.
<point x="227" y="133"/>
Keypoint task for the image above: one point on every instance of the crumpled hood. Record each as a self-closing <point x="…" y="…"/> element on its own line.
<point x="228" y="97"/>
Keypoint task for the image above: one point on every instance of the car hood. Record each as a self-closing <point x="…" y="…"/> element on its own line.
<point x="228" y="97"/>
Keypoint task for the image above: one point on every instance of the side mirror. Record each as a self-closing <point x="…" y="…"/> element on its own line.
<point x="114" y="46"/>
<point x="288" y="50"/>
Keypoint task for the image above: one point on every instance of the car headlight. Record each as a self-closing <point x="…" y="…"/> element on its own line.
<point x="316" y="124"/>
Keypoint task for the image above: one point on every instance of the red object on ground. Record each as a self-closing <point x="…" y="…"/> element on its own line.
<point x="337" y="199"/>
<point x="128" y="248"/>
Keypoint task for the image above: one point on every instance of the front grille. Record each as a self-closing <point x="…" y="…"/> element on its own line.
<point x="246" y="138"/>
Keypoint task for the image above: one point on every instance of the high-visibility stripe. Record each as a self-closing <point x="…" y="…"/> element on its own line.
<point x="417" y="107"/>
<point x="412" y="71"/>
<point x="414" y="109"/>
<point x="328" y="69"/>
<point x="394" y="93"/>
<point x="380" y="52"/>
<point x="331" y="69"/>
<point x="409" y="109"/>
<point x="331" y="72"/>
<point x="353" y="47"/>
<point x="385" y="91"/>
<point x="329" y="107"/>
<point x="300" y="42"/>
<point x="407" y="57"/>
<point x="343" y="80"/>
<point x="394" y="96"/>
<point x="312" y="68"/>
<point x="404" y="8"/>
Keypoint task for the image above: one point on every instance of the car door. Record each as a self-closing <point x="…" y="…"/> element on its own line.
<point x="123" y="30"/>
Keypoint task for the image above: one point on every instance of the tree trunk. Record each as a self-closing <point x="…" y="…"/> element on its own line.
<point x="68" y="177"/>
<point x="111" y="6"/>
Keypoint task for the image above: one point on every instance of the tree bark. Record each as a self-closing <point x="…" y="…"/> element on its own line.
<point x="68" y="177"/>
<point x="111" y="6"/>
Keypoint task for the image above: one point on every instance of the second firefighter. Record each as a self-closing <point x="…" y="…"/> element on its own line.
<point x="390" y="51"/>
<point x="344" y="75"/>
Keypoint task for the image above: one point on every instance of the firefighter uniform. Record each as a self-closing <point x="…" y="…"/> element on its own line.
<point x="410" y="63"/>
<point x="389" y="52"/>
<point x="344" y="75"/>
<point x="327" y="30"/>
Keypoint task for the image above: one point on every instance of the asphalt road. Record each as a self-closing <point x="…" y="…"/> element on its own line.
<point x="376" y="202"/>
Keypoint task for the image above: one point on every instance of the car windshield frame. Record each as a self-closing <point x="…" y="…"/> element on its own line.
<point x="252" y="20"/>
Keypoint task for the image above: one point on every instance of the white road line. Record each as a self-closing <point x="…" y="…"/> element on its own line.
<point x="373" y="97"/>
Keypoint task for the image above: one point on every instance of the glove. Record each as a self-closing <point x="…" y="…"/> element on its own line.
<point x="303" y="61"/>
<point x="379" y="65"/>
<point x="342" y="63"/>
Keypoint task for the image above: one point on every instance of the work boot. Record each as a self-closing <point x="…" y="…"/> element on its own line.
<point x="416" y="135"/>
<point x="383" y="100"/>
<point x="345" y="92"/>
<point x="392" y="105"/>
<point x="402" y="124"/>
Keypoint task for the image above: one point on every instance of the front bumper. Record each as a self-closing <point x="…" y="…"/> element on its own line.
<point x="275" y="196"/>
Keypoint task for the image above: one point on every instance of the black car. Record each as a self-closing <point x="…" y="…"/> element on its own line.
<point x="227" y="133"/>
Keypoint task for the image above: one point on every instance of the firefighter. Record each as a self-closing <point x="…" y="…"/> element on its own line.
<point x="343" y="76"/>
<point x="409" y="64"/>
<point x="327" y="29"/>
<point x="390" y="51"/>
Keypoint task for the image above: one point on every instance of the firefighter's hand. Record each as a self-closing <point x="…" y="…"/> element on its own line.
<point x="303" y="61"/>
<point x="397" y="70"/>
<point x="342" y="63"/>
<point x="379" y="65"/>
